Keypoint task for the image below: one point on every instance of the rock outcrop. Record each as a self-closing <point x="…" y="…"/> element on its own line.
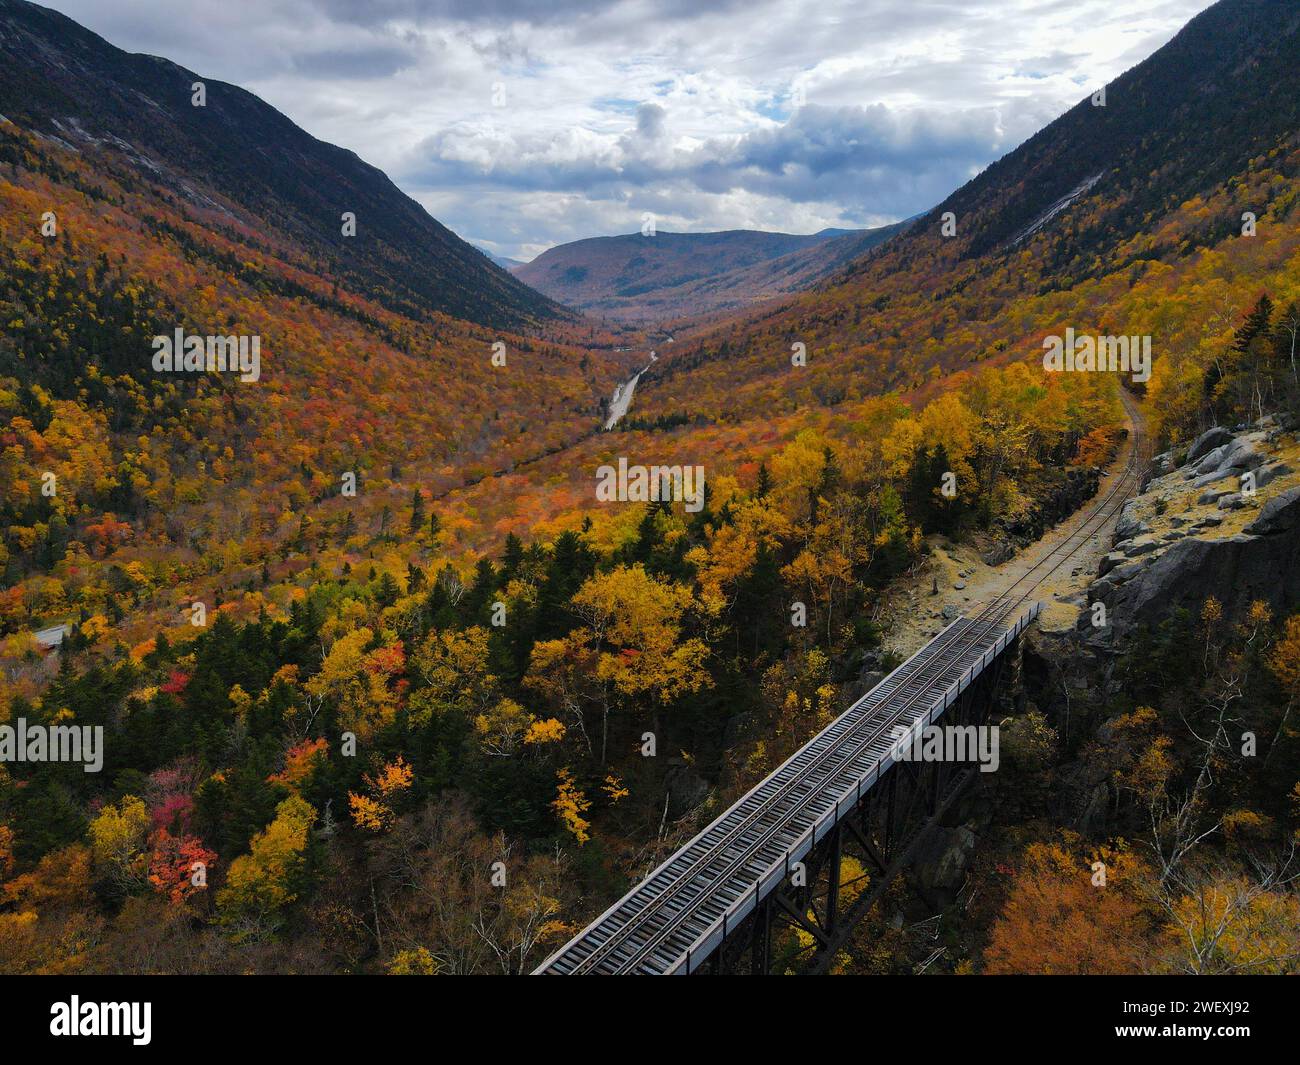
<point x="941" y="862"/>
<point x="1207" y="442"/>
<point x="1223" y="522"/>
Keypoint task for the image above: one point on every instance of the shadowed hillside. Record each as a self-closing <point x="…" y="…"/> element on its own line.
<point x="64" y="82"/>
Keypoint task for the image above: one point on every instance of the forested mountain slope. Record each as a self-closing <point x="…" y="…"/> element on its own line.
<point x="1125" y="218"/>
<point x="60" y="80"/>
<point x="127" y="214"/>
<point x="361" y="628"/>
<point x="662" y="277"/>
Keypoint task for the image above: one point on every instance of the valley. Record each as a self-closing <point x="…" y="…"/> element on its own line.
<point x="429" y="600"/>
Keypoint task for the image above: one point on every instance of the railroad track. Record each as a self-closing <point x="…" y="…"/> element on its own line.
<point x="1096" y="518"/>
<point x="687" y="905"/>
<point x="658" y="923"/>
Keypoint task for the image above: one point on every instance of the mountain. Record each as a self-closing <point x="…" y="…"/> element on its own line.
<point x="365" y="628"/>
<point x="509" y="265"/>
<point x="1123" y="217"/>
<point x="66" y="83"/>
<point x="396" y="363"/>
<point x="670" y="276"/>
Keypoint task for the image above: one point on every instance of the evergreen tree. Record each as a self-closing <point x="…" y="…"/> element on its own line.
<point x="417" y="510"/>
<point x="415" y="579"/>
<point x="387" y="591"/>
<point x="511" y="558"/>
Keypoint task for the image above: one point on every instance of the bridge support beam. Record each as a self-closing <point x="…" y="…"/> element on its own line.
<point x="803" y="929"/>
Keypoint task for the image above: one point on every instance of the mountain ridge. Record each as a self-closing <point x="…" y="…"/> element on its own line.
<point x="927" y="304"/>
<point x="669" y="276"/>
<point x="86" y="89"/>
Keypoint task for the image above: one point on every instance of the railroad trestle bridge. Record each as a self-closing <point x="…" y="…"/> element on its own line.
<point x="775" y="859"/>
<point x="776" y="856"/>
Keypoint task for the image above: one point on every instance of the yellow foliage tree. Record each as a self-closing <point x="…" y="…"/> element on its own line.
<point x="1234" y="926"/>
<point x="264" y="881"/>
<point x="117" y="839"/>
<point x="1061" y="917"/>
<point x="570" y="803"/>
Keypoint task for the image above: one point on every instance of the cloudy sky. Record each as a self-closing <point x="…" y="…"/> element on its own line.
<point x="526" y="124"/>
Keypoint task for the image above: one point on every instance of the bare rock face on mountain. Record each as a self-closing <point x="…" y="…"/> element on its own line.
<point x="942" y="861"/>
<point x="1181" y="542"/>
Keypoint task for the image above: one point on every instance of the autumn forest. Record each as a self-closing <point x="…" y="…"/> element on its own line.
<point x="384" y="688"/>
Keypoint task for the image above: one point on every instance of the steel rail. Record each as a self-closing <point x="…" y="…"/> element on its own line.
<point x="1110" y="504"/>
<point x="951" y="659"/>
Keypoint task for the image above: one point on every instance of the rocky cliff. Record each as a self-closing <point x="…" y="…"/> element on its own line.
<point x="1220" y="518"/>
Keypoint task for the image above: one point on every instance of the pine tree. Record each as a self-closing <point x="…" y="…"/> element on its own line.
<point x="512" y="558"/>
<point x="415" y="579"/>
<point x="387" y="591"/>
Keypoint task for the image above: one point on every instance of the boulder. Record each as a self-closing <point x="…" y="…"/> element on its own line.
<point x="998" y="554"/>
<point x="1130" y="569"/>
<point x="1207" y="442"/>
<point x="942" y="860"/>
<point x="1203" y="479"/>
<point x="1212" y="460"/>
<point x="1281" y="514"/>
<point x="1109" y="562"/>
<point x="1270" y="472"/>
<point x="1244" y="453"/>
<point x="1141" y="546"/>
<point x="1129" y="525"/>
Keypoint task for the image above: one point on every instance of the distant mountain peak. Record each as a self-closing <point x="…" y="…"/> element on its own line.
<point x="642" y="278"/>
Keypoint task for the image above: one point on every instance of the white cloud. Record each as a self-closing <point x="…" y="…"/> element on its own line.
<point x="682" y="107"/>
